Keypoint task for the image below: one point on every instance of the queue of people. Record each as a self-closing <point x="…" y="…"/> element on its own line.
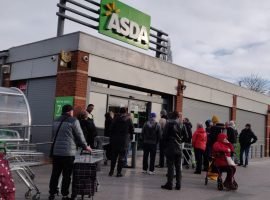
<point x="168" y="134"/>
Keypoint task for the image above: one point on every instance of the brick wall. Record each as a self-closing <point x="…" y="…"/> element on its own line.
<point x="6" y="80"/>
<point x="233" y="108"/>
<point x="73" y="81"/>
<point x="179" y="98"/>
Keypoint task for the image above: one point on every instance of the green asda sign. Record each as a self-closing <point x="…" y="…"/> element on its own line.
<point x="119" y="21"/>
<point x="60" y="102"/>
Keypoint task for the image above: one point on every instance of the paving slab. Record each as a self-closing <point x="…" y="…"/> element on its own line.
<point x="253" y="181"/>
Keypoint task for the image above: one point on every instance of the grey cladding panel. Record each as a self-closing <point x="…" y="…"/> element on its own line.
<point x="257" y="122"/>
<point x="198" y="111"/>
<point x="41" y="94"/>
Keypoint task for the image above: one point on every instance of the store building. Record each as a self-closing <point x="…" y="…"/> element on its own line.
<point x="110" y="76"/>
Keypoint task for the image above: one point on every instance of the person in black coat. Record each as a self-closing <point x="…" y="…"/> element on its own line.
<point x="246" y="138"/>
<point x="173" y="136"/>
<point x="121" y="133"/>
<point x="88" y="128"/>
<point x="108" y="121"/>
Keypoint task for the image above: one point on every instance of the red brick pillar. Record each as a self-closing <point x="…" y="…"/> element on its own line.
<point x="233" y="108"/>
<point x="267" y="133"/>
<point x="6" y="80"/>
<point x="72" y="81"/>
<point x="179" y="98"/>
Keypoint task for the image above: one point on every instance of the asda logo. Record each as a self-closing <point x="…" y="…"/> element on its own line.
<point x="126" y="27"/>
<point x="119" y="21"/>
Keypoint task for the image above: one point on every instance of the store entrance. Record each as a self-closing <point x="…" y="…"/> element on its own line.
<point x="138" y="109"/>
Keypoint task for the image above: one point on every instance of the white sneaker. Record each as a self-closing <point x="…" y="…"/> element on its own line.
<point x="151" y="172"/>
<point x="144" y="172"/>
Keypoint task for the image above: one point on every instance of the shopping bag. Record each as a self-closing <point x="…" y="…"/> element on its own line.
<point x="230" y="161"/>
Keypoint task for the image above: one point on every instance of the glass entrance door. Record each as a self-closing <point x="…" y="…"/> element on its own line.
<point x="138" y="109"/>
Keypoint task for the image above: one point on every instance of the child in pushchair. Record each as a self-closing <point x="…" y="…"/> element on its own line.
<point x="221" y="152"/>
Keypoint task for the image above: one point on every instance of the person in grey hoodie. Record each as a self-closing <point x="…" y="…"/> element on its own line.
<point x="67" y="136"/>
<point x="151" y="134"/>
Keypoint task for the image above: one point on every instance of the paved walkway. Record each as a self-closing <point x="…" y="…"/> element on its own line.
<point x="254" y="183"/>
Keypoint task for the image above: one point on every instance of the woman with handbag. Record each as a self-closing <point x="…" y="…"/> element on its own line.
<point x="222" y="151"/>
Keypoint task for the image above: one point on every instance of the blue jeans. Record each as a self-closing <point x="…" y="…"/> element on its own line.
<point x="242" y="151"/>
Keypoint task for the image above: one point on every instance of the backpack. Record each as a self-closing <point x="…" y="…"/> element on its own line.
<point x="150" y="133"/>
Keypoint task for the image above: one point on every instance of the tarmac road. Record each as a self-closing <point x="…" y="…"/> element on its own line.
<point x="253" y="181"/>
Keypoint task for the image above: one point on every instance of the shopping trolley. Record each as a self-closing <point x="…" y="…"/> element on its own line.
<point x="188" y="155"/>
<point x="21" y="157"/>
<point x="100" y="143"/>
<point x="84" y="181"/>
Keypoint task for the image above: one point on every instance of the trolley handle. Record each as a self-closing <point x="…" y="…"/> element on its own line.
<point x="83" y="152"/>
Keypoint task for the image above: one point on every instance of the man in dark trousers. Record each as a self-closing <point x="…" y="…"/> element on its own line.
<point x="173" y="136"/>
<point x="151" y="134"/>
<point x="246" y="138"/>
<point x="121" y="132"/>
<point x="68" y="135"/>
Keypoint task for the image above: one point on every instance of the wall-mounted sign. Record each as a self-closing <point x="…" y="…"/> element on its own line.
<point x="60" y="102"/>
<point x="122" y="22"/>
<point x="65" y="59"/>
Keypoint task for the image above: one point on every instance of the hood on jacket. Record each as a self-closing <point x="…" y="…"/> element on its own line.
<point x="215" y="119"/>
<point x="200" y="130"/>
<point x="188" y="124"/>
<point x="221" y="137"/>
<point x="150" y="123"/>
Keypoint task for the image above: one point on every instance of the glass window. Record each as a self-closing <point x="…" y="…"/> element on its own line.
<point x="99" y="101"/>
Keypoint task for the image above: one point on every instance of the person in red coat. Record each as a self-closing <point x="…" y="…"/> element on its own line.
<point x="222" y="148"/>
<point x="199" y="140"/>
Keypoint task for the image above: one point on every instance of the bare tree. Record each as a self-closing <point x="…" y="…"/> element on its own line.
<point x="254" y="82"/>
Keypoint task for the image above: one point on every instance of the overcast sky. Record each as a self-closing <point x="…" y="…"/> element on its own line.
<point x="223" y="38"/>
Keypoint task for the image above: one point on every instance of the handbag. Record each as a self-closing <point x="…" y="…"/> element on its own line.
<point x="230" y="161"/>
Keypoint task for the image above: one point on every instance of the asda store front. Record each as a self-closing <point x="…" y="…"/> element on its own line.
<point x="87" y="69"/>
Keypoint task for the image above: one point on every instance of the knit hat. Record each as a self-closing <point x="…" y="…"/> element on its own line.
<point x="153" y="115"/>
<point x="215" y="119"/>
<point x="221" y="137"/>
<point x="207" y="122"/>
<point x="66" y="108"/>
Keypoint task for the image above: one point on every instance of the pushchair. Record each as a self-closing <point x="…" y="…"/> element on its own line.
<point x="215" y="173"/>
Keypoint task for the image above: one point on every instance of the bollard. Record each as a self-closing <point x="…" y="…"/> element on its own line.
<point x="134" y="154"/>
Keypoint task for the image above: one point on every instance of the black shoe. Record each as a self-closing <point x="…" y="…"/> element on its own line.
<point x="51" y="197"/>
<point x="66" y="198"/>
<point x="245" y="165"/>
<point x="239" y="164"/>
<point x="110" y="173"/>
<point x="187" y="166"/>
<point x="166" y="187"/>
<point x="178" y="187"/>
<point x="196" y="172"/>
<point x="119" y="175"/>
